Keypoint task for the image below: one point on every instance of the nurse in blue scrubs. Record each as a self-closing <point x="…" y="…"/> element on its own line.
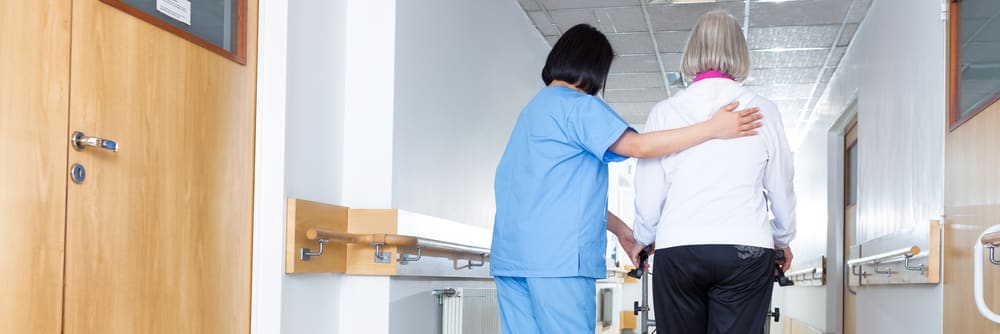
<point x="552" y="185"/>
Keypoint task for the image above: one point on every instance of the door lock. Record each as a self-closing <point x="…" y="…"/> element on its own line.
<point x="78" y="173"/>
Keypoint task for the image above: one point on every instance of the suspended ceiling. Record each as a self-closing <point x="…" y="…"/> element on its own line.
<point x="795" y="45"/>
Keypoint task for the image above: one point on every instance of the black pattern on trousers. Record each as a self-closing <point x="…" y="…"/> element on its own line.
<point x="712" y="289"/>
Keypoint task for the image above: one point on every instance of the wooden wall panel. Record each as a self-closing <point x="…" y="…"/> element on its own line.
<point x="34" y="98"/>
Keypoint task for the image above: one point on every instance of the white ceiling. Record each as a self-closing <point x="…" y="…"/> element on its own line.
<point x="795" y="47"/>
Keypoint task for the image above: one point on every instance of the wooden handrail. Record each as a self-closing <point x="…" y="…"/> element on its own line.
<point x="315" y="234"/>
<point x="903" y="252"/>
<point x="991" y="239"/>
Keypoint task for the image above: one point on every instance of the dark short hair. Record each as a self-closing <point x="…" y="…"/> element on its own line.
<point x="582" y="57"/>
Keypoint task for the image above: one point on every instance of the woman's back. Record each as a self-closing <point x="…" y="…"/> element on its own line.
<point x="714" y="193"/>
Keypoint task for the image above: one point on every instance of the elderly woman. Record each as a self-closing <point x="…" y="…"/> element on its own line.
<point x="706" y="208"/>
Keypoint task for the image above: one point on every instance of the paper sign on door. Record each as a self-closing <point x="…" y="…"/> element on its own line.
<point x="179" y="10"/>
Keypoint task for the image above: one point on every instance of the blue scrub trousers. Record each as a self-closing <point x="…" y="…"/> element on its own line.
<point x="547" y="305"/>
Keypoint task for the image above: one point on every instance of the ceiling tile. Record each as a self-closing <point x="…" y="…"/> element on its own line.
<point x="970" y="26"/>
<point x="529" y="5"/>
<point x="635" y="95"/>
<point x="635" y="64"/>
<point x="683" y="17"/>
<point x="859" y="11"/>
<point x="848" y="34"/>
<point x="570" y="4"/>
<point x="635" y="80"/>
<point x="981" y="53"/>
<point x="634" y="113"/>
<point x="792" y="37"/>
<point x="552" y="40"/>
<point x="828" y="74"/>
<point x="632" y="43"/>
<point x="784" y="92"/>
<point x="797" y="13"/>
<point x="566" y="19"/>
<point x="620" y="19"/>
<point x="774" y="76"/>
<point x="672" y="61"/>
<point x="979" y="9"/>
<point x="543" y="24"/>
<point x="672" y="41"/>
<point x="991" y="33"/>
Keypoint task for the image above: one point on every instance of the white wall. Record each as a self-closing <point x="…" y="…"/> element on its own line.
<point x="314" y="144"/>
<point x="338" y="141"/>
<point x="464" y="71"/>
<point x="895" y="67"/>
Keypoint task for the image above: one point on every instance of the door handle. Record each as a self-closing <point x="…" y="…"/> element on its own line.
<point x="79" y="140"/>
<point x="977" y="274"/>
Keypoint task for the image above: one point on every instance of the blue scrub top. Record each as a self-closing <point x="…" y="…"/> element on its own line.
<point x="552" y="187"/>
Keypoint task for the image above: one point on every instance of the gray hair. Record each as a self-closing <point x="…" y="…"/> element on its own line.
<point x="717" y="43"/>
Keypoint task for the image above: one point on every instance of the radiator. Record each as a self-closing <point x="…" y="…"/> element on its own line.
<point x="470" y="311"/>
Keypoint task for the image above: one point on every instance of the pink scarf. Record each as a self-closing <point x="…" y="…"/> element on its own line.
<point x="710" y="74"/>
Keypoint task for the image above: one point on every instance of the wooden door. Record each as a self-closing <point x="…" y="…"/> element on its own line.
<point x="972" y="203"/>
<point x="850" y="218"/>
<point x="34" y="95"/>
<point x="159" y="235"/>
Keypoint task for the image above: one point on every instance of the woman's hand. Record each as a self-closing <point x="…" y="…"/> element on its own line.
<point x="632" y="248"/>
<point x="787" y="261"/>
<point x="727" y="123"/>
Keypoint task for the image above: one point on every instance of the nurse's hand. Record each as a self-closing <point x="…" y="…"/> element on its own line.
<point x="727" y="123"/>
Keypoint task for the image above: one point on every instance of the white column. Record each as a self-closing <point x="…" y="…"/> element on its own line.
<point x="367" y="160"/>
<point x="269" y="170"/>
<point x="368" y="105"/>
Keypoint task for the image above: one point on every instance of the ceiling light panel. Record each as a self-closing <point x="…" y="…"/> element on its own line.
<point x="794" y="58"/>
<point x="569" y="4"/>
<point x="635" y="80"/>
<point x="635" y="64"/>
<point x="632" y="43"/>
<point x="774" y="76"/>
<point x="792" y="37"/>
<point x="790" y="108"/>
<point x="672" y="41"/>
<point x="798" y="13"/>
<point x="635" y="95"/>
<point x="783" y="92"/>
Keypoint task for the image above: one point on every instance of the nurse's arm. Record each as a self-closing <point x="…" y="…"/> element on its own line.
<point x="625" y="237"/>
<point x="724" y="124"/>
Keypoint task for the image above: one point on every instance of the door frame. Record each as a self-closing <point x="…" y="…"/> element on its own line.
<point x="835" y="214"/>
<point x="269" y="169"/>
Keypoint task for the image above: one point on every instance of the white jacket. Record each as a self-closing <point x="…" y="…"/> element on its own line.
<point x="716" y="192"/>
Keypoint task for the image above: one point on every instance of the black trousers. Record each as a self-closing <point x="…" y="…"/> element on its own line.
<point x="712" y="289"/>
